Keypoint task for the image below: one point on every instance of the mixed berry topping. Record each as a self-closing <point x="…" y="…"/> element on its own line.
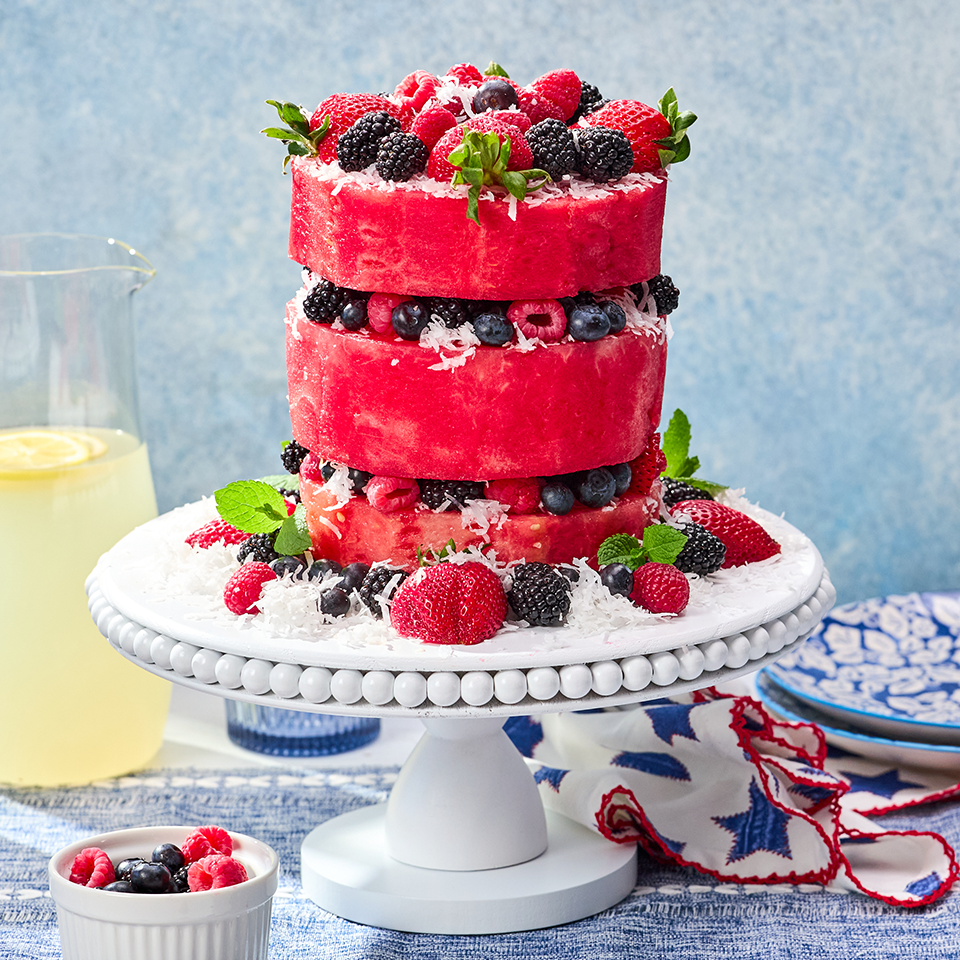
<point x="539" y="594"/>
<point x="379" y="586"/>
<point x="401" y="156"/>
<point x="359" y="146"/>
<point x="603" y="154"/>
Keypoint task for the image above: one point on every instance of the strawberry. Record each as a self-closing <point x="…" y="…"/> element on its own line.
<point x="216" y="531"/>
<point x="432" y="123"/>
<point x="538" y="107"/>
<point x="513" y="118"/>
<point x="517" y="496"/>
<point x="390" y="494"/>
<point x="450" y="603"/>
<point x="205" y="841"/>
<point x="647" y="467"/>
<point x="563" y="87"/>
<point x="343" y="110"/>
<point x="214" y="872"/>
<point x="660" y="588"/>
<point x="643" y="126"/>
<point x="521" y="156"/>
<point x="243" y="589"/>
<point x="92" y="868"/>
<point x="438" y="166"/>
<point x="746" y="541"/>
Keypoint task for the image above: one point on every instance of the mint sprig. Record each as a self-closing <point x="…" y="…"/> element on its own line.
<point x="661" y="544"/>
<point x="676" y="147"/>
<point x="676" y="448"/>
<point x="483" y="160"/>
<point x="300" y="140"/>
<point x="254" y="506"/>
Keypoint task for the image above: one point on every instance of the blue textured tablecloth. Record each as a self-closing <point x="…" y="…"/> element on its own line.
<point x="673" y="912"/>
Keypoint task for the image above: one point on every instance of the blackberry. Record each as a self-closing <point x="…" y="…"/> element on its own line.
<point x="451" y="311"/>
<point x="554" y="149"/>
<point x="603" y="154"/>
<point x="666" y="295"/>
<point x="703" y="553"/>
<point x="375" y="583"/>
<point x="357" y="147"/>
<point x="259" y="546"/>
<point x="456" y="493"/>
<point x="325" y="301"/>
<point x="293" y="495"/>
<point x="401" y="156"/>
<point x="476" y="307"/>
<point x="676" y="490"/>
<point x="539" y="595"/>
<point x="590" y="100"/>
<point x="292" y="456"/>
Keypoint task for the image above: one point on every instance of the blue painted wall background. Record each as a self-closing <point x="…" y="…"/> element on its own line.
<point x="814" y="232"/>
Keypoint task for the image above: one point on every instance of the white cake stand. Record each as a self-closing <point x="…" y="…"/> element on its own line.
<point x="463" y="846"/>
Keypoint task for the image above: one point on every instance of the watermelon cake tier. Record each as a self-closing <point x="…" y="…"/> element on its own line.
<point x="402" y="409"/>
<point x="414" y="238"/>
<point x="357" y="531"/>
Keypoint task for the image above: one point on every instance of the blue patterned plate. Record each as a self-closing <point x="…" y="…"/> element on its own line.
<point x="933" y="756"/>
<point x="889" y="666"/>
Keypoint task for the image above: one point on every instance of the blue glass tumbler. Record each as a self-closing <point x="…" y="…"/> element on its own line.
<point x="295" y="733"/>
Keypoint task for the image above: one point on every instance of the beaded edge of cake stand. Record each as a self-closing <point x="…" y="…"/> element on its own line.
<point x="444" y="693"/>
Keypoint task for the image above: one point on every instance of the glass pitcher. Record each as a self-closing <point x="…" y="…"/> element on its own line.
<point x="74" y="479"/>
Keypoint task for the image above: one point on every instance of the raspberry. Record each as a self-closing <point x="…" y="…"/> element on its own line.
<point x="390" y="494"/>
<point x="415" y="89"/>
<point x="432" y="123"/>
<point x="521" y="156"/>
<point x="538" y="107"/>
<point x="641" y="124"/>
<point x="344" y="109"/>
<point x="310" y="468"/>
<point x="660" y="588"/>
<point x="539" y="595"/>
<point x="357" y="147"/>
<point x="92" y="868"/>
<point x="438" y="166"/>
<point x="563" y="87"/>
<point x="214" y="872"/>
<point x="538" y="319"/>
<point x="401" y="156"/>
<point x="450" y="603"/>
<point x="380" y="309"/>
<point x="553" y="147"/>
<point x="205" y="841"/>
<point x="746" y="541"/>
<point x="604" y="154"/>
<point x="216" y="531"/>
<point x="466" y="74"/>
<point x="517" y="496"/>
<point x="243" y="589"/>
<point x="647" y="467"/>
<point x="375" y="588"/>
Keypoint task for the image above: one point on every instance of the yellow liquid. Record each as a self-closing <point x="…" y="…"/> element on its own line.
<point x="72" y="709"/>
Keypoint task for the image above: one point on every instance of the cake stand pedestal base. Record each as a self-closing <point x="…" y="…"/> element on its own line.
<point x="345" y="869"/>
<point x="463" y="846"/>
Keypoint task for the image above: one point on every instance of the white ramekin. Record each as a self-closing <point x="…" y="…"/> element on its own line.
<point x="232" y="923"/>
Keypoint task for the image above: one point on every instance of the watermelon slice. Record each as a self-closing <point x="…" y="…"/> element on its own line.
<point x="419" y="242"/>
<point x="357" y="531"/>
<point x="381" y="404"/>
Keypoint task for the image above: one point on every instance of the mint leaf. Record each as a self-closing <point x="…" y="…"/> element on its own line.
<point x="662" y="543"/>
<point x="620" y="548"/>
<point x="251" y="506"/>
<point x="283" y="481"/>
<point x="294" y="537"/>
<point x="676" y="444"/>
<point x="712" y="488"/>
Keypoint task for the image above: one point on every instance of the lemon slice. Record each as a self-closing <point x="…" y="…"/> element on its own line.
<point x="28" y="450"/>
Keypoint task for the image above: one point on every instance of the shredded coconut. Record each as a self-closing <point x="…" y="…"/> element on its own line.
<point x="340" y="486"/>
<point x="480" y="515"/>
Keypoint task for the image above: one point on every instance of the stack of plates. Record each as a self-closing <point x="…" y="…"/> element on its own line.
<point x="880" y="677"/>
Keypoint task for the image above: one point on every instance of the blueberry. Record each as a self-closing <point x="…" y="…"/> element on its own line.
<point x="124" y="867"/>
<point x="617" y="578"/>
<point x="358" y="479"/>
<point x="291" y="567"/>
<point x="320" y="568"/>
<point x="622" y="475"/>
<point x="354" y="315"/>
<point x="334" y="602"/>
<point x="557" y="498"/>
<point x="327" y="469"/>
<point x="119" y="886"/>
<point x="353" y="575"/>
<point x="571" y="573"/>
<point x="495" y="94"/>
<point x="409" y="319"/>
<point x="615" y="314"/>
<point x="588" y="323"/>
<point x="151" y="878"/>
<point x="169" y="854"/>
<point x="492" y="329"/>
<point x="596" y="488"/>
<point x="181" y="883"/>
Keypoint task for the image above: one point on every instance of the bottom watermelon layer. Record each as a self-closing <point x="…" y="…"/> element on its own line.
<point x="357" y="532"/>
